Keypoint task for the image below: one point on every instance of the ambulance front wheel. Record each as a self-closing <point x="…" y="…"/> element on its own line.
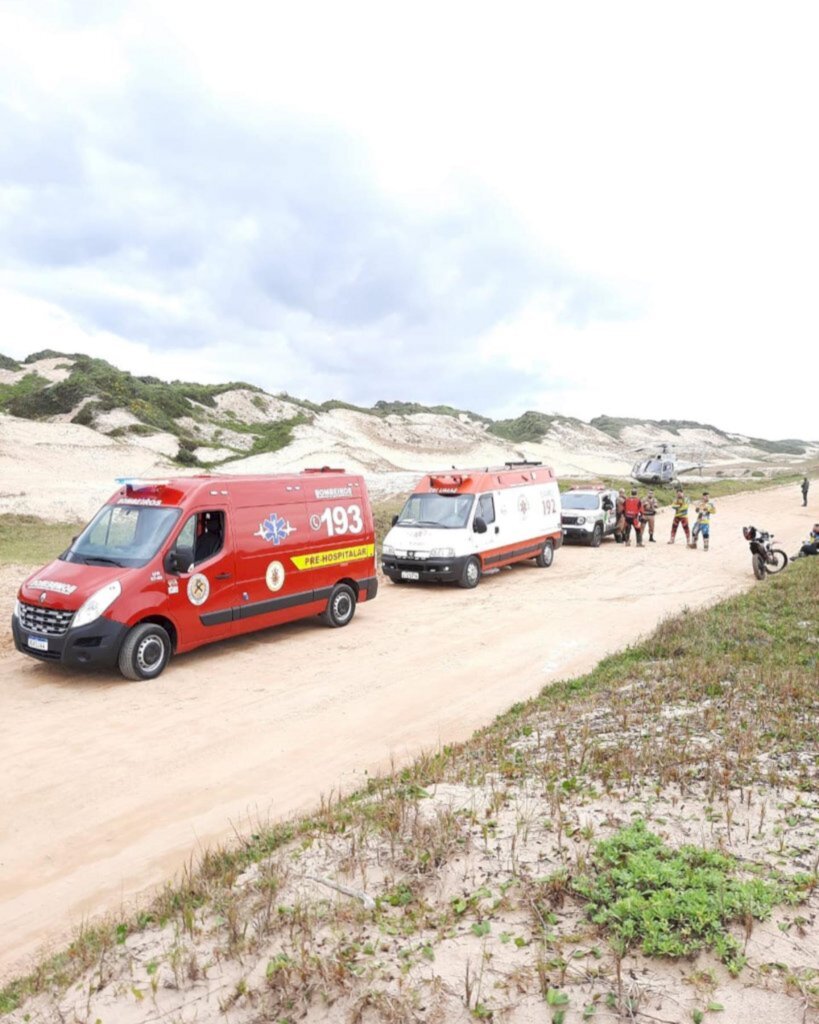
<point x="546" y="556"/>
<point x="145" y="652"/>
<point x="471" y="573"/>
<point x="340" y="607"/>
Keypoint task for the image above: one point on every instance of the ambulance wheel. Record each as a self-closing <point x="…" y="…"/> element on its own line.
<point x="546" y="556"/>
<point x="471" y="574"/>
<point x="597" y="535"/>
<point x="145" y="652"/>
<point x="340" y="607"/>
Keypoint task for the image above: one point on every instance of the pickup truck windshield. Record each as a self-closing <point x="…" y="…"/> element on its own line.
<point x="124" y="535"/>
<point x="587" y="501"/>
<point x="442" y="511"/>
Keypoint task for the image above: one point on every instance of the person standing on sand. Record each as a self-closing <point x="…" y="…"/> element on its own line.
<point x="633" y="512"/>
<point x="649" y="511"/>
<point x="620" y="518"/>
<point x="805" y="486"/>
<point x="680" y="507"/>
<point x="704" y="509"/>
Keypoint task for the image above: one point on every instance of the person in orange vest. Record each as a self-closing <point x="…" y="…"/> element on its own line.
<point x="633" y="513"/>
<point x="680" y="507"/>
<point x="649" y="512"/>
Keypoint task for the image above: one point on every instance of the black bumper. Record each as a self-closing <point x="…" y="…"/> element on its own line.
<point x="577" y="533"/>
<point x="94" y="645"/>
<point x="437" y="570"/>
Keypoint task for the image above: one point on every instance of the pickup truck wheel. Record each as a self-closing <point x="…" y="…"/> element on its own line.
<point x="145" y="651"/>
<point x="546" y="556"/>
<point x="340" y="607"/>
<point x="597" y="535"/>
<point x="471" y="573"/>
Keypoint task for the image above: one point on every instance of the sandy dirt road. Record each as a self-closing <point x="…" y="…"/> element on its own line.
<point x="108" y="786"/>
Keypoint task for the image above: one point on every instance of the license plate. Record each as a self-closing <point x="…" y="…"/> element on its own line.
<point x="37" y="644"/>
<point x="406" y="575"/>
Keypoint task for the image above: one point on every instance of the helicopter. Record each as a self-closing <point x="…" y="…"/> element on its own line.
<point x="662" y="467"/>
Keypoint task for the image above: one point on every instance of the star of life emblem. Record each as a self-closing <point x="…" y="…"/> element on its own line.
<point x="274" y="529"/>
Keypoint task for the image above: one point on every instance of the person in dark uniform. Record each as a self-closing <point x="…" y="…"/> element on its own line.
<point x="805" y="486"/>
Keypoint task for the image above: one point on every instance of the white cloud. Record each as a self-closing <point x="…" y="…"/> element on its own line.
<point x="664" y="156"/>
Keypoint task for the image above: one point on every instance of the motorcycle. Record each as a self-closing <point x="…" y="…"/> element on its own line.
<point x="765" y="558"/>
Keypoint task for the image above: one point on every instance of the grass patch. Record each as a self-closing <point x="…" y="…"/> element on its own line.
<point x="665" y="495"/>
<point x="27" y="540"/>
<point x="673" y="903"/>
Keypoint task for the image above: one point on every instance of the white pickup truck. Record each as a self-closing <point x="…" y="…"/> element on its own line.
<point x="588" y="514"/>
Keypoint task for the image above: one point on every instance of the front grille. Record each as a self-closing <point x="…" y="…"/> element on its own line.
<point x="46" y="621"/>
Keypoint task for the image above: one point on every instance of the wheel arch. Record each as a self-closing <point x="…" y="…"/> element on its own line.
<point x="166" y="623"/>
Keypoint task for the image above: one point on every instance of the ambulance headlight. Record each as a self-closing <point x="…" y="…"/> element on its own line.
<point x="97" y="604"/>
<point x="442" y="553"/>
<point x="16" y="612"/>
<point x="581" y="520"/>
<point x="387" y="549"/>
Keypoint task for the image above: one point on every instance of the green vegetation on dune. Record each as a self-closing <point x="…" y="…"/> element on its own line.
<point x="154" y="402"/>
<point x="6" y="363"/>
<point x="614" y="425"/>
<point x="789" y="446"/>
<point x="531" y="426"/>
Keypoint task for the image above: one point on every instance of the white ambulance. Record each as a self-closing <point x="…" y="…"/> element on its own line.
<point x="459" y="524"/>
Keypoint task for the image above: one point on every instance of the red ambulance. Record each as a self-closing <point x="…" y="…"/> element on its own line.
<point x="168" y="565"/>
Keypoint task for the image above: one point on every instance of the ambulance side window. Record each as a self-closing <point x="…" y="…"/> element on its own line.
<point x="183" y="548"/>
<point x="200" y="538"/>
<point x="486" y="508"/>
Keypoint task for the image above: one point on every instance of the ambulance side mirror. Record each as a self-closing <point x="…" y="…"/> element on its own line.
<point x="171" y="563"/>
<point x="394" y="520"/>
<point x="479" y="525"/>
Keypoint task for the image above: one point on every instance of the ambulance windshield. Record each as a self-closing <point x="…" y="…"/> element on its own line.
<point x="443" y="511"/>
<point x="123" y="535"/>
<point x="572" y="499"/>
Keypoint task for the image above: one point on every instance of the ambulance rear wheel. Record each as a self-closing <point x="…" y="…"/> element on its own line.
<point x="597" y="535"/>
<point x="145" y="652"/>
<point x="546" y="556"/>
<point x="340" y="607"/>
<point x="471" y="574"/>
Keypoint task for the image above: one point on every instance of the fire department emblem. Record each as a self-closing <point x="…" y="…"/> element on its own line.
<point x="198" y="589"/>
<point x="274" y="529"/>
<point x="274" y="577"/>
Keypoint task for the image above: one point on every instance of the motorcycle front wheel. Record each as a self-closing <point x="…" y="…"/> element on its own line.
<point x="758" y="562"/>
<point x="777" y="560"/>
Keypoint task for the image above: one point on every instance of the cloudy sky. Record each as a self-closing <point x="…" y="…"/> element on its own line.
<point x="581" y="208"/>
